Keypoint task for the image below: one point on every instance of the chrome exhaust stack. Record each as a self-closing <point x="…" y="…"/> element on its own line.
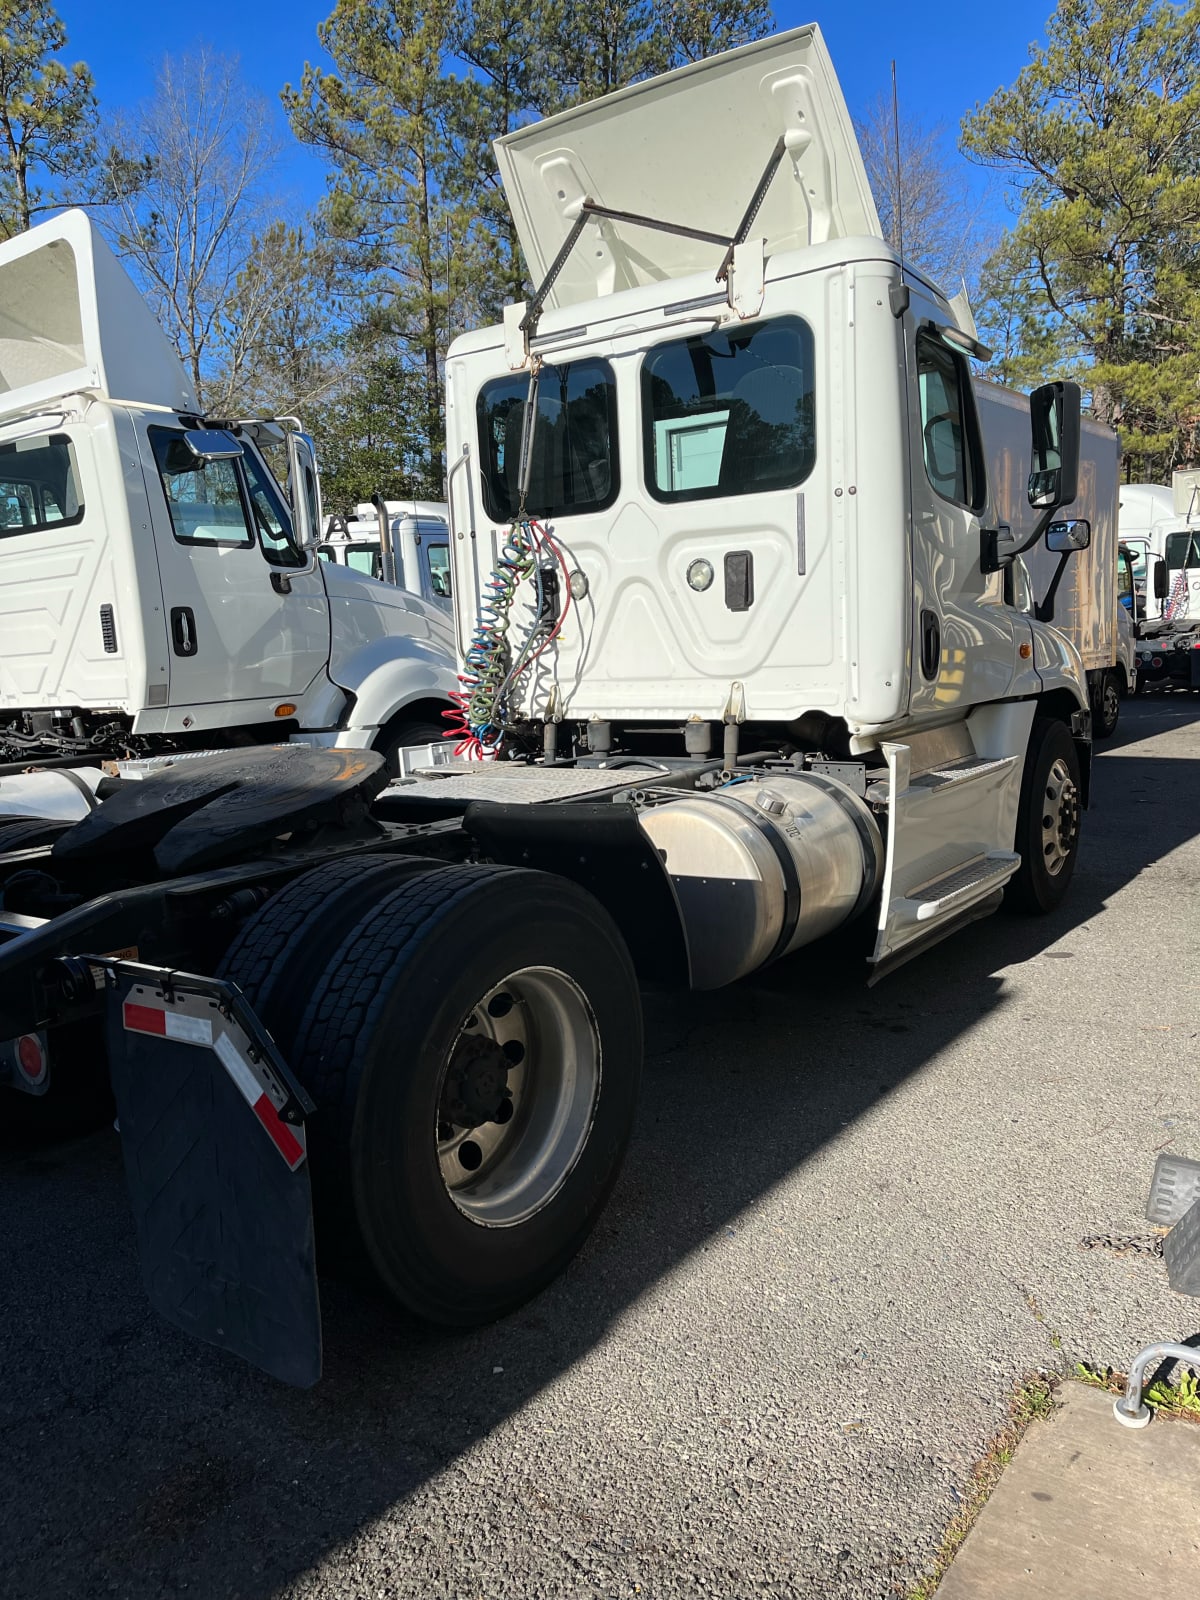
<point x="763" y="866"/>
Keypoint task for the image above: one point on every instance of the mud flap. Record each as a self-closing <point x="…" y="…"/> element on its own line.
<point x="212" y="1132"/>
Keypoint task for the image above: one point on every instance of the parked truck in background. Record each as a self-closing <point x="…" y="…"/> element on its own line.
<point x="404" y="542"/>
<point x="1166" y="578"/>
<point x="1085" y="604"/>
<point x="158" y="589"/>
<point x="732" y="584"/>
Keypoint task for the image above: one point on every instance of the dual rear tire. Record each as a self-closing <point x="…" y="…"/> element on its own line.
<point x="472" y="1038"/>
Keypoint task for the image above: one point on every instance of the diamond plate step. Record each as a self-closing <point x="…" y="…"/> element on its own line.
<point x="953" y="890"/>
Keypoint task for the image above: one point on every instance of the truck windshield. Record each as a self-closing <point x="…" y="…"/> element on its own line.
<point x="39" y="485"/>
<point x="574" y="442"/>
<point x="1183" y="550"/>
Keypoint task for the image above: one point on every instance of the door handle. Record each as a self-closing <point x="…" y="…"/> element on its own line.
<point x="183" y="631"/>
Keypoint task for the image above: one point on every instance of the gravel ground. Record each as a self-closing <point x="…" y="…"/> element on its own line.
<point x="850" y="1221"/>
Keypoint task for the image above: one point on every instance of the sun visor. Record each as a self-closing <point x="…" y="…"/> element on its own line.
<point x="71" y="321"/>
<point x="690" y="147"/>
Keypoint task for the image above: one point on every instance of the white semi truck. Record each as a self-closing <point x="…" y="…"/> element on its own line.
<point x="158" y="590"/>
<point x="1166" y="576"/>
<point x="730" y="591"/>
<point x="405" y="542"/>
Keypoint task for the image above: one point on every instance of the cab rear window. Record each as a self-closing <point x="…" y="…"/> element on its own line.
<point x="39" y="485"/>
<point x="574" y="441"/>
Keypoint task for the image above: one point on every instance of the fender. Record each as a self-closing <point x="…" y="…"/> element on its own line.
<point x="384" y="687"/>
<point x="388" y="647"/>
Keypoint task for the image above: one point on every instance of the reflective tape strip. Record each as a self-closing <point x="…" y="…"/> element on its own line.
<point x="168" y="1024"/>
<point x="256" y="1097"/>
<point x="145" y="1019"/>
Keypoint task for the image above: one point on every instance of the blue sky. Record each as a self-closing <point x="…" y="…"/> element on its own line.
<point x="956" y="56"/>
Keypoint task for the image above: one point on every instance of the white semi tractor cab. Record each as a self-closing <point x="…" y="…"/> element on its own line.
<point x="405" y="542"/>
<point x="157" y="587"/>
<point x="1164" y="550"/>
<point x="733" y="590"/>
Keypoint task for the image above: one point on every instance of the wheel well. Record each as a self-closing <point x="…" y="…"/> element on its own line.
<point x="430" y="710"/>
<point x="1061" y="706"/>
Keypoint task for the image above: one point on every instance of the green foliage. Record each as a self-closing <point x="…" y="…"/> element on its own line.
<point x="1181" y="1396"/>
<point x="367" y="435"/>
<point x="46" y="114"/>
<point x="415" y="213"/>
<point x="1099" y="279"/>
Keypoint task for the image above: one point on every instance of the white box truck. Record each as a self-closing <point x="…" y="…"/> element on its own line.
<point x="1085" y="606"/>
<point x="730" y="589"/>
<point x="158" y="589"/>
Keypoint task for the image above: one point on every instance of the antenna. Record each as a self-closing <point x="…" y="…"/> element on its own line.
<point x="899" y="185"/>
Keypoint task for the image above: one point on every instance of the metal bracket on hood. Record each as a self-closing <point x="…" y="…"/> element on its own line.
<point x="523" y="320"/>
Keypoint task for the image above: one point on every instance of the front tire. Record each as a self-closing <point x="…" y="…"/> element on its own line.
<point x="475" y="1048"/>
<point x="1047" y="821"/>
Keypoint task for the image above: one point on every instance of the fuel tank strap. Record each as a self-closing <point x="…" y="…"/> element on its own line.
<point x="787" y="865"/>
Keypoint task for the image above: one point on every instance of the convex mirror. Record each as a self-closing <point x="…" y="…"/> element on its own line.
<point x="1074" y="534"/>
<point x="212" y="444"/>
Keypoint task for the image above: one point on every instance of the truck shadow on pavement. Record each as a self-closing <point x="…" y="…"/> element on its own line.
<point x="164" y="1464"/>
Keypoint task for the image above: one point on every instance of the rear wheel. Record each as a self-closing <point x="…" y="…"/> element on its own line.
<point x="475" y="1048"/>
<point x="1107" y="708"/>
<point x="1048" y="820"/>
<point x="281" y="952"/>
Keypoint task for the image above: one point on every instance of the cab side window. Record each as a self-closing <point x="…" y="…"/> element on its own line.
<point x="204" y="498"/>
<point x="438" y="557"/>
<point x="273" y="524"/>
<point x="949" y="427"/>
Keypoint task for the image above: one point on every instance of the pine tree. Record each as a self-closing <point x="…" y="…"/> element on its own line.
<point x="1100" y="276"/>
<point x="386" y="121"/>
<point x="47" y="112"/>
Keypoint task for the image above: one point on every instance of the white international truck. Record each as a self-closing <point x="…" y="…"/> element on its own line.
<point x="729" y="586"/>
<point x="158" y="590"/>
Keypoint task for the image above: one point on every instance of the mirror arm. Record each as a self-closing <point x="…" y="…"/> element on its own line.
<point x="1044" y="610"/>
<point x="1043" y="522"/>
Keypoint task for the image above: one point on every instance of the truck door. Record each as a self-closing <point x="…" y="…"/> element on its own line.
<point x="964" y="649"/>
<point x="245" y="621"/>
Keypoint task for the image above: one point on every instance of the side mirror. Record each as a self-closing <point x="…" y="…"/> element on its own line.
<point x="1074" y="534"/>
<point x="304" y="490"/>
<point x="212" y="444"/>
<point x="1162" y="587"/>
<point x="1054" y="423"/>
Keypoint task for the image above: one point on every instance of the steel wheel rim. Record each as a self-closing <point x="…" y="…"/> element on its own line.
<point x="1060" y="817"/>
<point x="1111" y="705"/>
<point x="532" y="1042"/>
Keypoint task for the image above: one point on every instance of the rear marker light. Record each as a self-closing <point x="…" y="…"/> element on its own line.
<point x="31" y="1058"/>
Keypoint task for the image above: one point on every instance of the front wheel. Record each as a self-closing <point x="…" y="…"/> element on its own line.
<point x="1048" y="820"/>
<point x="475" y="1048"/>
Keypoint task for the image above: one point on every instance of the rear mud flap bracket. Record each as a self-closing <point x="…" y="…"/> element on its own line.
<point x="212" y="1134"/>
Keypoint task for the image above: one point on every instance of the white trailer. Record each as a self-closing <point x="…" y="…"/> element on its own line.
<point x="158" y="589"/>
<point x="730" y="587"/>
<point x="1085" y="605"/>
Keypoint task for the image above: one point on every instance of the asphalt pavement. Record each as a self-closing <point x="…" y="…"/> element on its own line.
<point x="850" y="1221"/>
